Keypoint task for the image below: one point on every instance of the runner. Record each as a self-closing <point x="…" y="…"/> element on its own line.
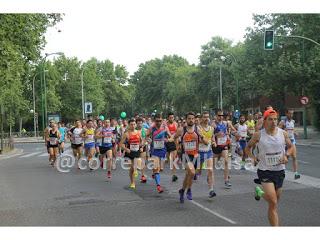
<point x="45" y="134"/>
<point x="107" y="138"/>
<point x="142" y="161"/>
<point x="132" y="142"/>
<point x="63" y="131"/>
<point x="288" y="125"/>
<point x="271" y="160"/>
<point x="159" y="135"/>
<point x="251" y="126"/>
<point x="76" y="140"/>
<point x="207" y="140"/>
<point x="259" y="123"/>
<point x="113" y="126"/>
<point x="171" y="145"/>
<point x="54" y="136"/>
<point x="221" y="150"/>
<point x="190" y="143"/>
<point x="89" y="141"/>
<point x="98" y="141"/>
<point x="241" y="137"/>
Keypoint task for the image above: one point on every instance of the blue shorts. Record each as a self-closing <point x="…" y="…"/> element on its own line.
<point x="293" y="141"/>
<point x="161" y="153"/>
<point x="89" y="145"/>
<point x="205" y="156"/>
<point x="243" y="144"/>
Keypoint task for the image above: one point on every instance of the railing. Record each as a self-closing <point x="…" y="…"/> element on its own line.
<point x="22" y="134"/>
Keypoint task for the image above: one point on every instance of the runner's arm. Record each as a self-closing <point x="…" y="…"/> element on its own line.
<point x="122" y="145"/>
<point x="289" y="147"/>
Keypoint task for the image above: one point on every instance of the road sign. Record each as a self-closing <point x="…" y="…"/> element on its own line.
<point x="88" y="107"/>
<point x="236" y="114"/>
<point x="304" y="100"/>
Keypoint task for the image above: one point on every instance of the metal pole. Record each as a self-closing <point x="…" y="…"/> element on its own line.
<point x="221" y="104"/>
<point x="42" y="101"/>
<point x="34" y="108"/>
<point x="237" y="90"/>
<point x="304" y="117"/>
<point x="45" y="95"/>
<point x="82" y="94"/>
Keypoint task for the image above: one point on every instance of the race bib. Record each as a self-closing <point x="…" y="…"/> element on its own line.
<point x="53" y="141"/>
<point x="107" y="140"/>
<point x="90" y="138"/>
<point x="204" y="148"/>
<point x="190" y="146"/>
<point x="222" y="140"/>
<point x="273" y="159"/>
<point x="158" y="144"/>
<point x="134" y="147"/>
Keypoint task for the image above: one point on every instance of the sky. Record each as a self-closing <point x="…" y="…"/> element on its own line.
<point x="132" y="32"/>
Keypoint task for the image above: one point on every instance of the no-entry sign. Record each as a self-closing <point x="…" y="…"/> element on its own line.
<point x="304" y="100"/>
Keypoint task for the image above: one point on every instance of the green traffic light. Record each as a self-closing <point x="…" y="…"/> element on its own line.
<point x="269" y="44"/>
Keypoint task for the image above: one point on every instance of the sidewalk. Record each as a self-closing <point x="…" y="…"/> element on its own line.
<point x="29" y="140"/>
<point x="313" y="137"/>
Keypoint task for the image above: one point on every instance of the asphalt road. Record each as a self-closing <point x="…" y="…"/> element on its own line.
<point x="34" y="194"/>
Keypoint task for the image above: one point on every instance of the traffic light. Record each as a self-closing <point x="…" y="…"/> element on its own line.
<point x="268" y="40"/>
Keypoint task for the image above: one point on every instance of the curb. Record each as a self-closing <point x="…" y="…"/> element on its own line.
<point x="29" y="142"/>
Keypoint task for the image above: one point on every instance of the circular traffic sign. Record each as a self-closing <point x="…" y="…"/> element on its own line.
<point x="304" y="100"/>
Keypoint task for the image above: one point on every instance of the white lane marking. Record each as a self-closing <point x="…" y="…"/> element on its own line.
<point x="213" y="212"/>
<point x="11" y="156"/>
<point x="29" y="155"/>
<point x="303" y="162"/>
<point x="44" y="154"/>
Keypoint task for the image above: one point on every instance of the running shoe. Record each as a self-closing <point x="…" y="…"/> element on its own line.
<point x="212" y="193"/>
<point x="258" y="193"/>
<point x="296" y="176"/>
<point x="159" y="189"/>
<point x="189" y="194"/>
<point x="181" y="194"/>
<point x="174" y="178"/>
<point x="227" y="184"/>
<point x="143" y="179"/>
<point x="108" y="174"/>
<point x="132" y="186"/>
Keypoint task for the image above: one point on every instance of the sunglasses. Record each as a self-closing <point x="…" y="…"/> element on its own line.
<point x="220" y="115"/>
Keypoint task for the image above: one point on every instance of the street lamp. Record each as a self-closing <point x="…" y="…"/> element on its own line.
<point x="44" y="95"/>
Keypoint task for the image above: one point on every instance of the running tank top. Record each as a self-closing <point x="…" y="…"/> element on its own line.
<point x="190" y="142"/>
<point x="134" y="141"/>
<point x="242" y="131"/>
<point x="76" y="138"/>
<point x="107" y="135"/>
<point x="53" y="137"/>
<point x="271" y="151"/>
<point x="172" y="128"/>
<point x="158" y="138"/>
<point x="207" y="133"/>
<point x="90" y="135"/>
<point x="221" y="127"/>
<point x="289" y="127"/>
<point x="251" y="126"/>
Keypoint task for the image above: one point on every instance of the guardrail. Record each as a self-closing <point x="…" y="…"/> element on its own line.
<point x="22" y="135"/>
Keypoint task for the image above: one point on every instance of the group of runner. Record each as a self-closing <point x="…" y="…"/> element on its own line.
<point x="195" y="141"/>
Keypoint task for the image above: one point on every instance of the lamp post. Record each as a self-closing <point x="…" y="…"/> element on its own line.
<point x="44" y="93"/>
<point x="82" y="93"/>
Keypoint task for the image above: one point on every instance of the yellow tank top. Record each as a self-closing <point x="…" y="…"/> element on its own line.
<point x="250" y="124"/>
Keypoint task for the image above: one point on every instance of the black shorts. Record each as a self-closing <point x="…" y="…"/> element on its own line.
<point x="75" y="146"/>
<point x="170" y="146"/>
<point x="218" y="150"/>
<point x="103" y="150"/>
<point x="275" y="177"/>
<point x="187" y="158"/>
<point x="132" y="155"/>
<point x="53" y="146"/>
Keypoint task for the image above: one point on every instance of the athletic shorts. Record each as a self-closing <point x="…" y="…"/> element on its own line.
<point x="75" y="146"/>
<point x="275" y="177"/>
<point x="61" y="141"/>
<point x="53" y="146"/>
<point x="89" y="145"/>
<point x="243" y="144"/>
<point x="218" y="150"/>
<point x="293" y="141"/>
<point x="205" y="156"/>
<point x="159" y="153"/>
<point x="132" y="155"/>
<point x="103" y="149"/>
<point x="170" y="146"/>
